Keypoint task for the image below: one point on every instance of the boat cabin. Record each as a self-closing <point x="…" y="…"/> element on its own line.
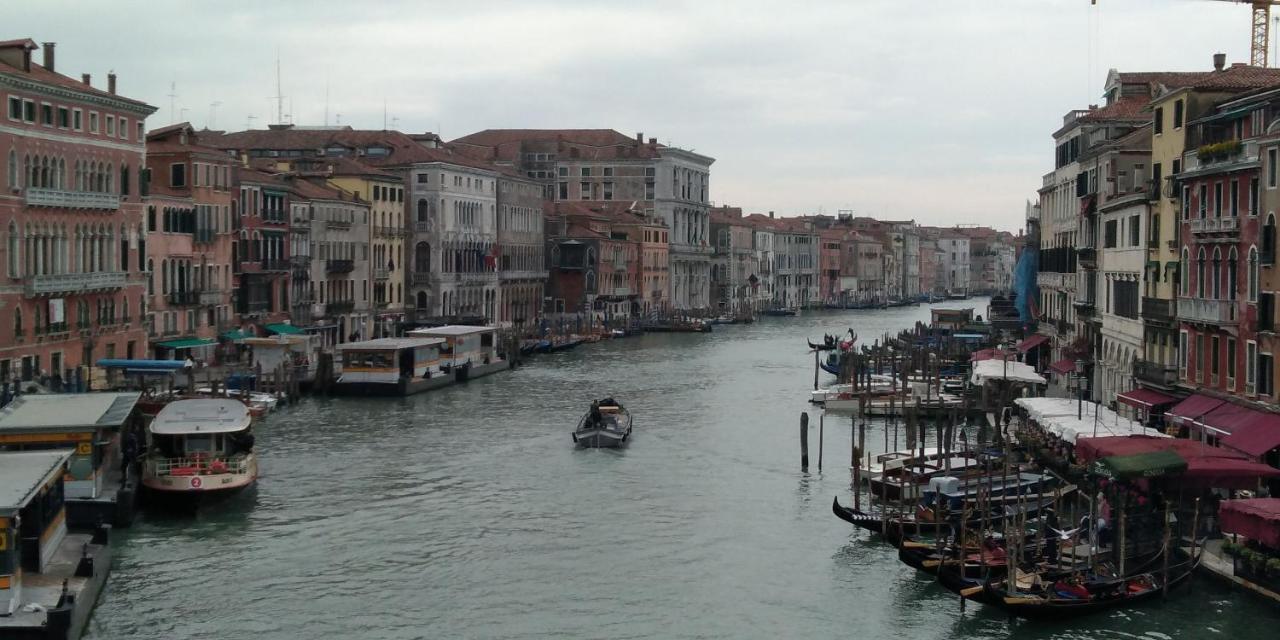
<point x="463" y="345"/>
<point x="33" y="518"/>
<point x="392" y="366"/>
<point x="950" y="320"/>
<point x="89" y="424"/>
<point x="298" y="350"/>
<point x="145" y="374"/>
<point x="205" y="436"/>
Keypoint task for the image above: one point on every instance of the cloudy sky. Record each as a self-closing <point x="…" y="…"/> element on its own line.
<point x="877" y="106"/>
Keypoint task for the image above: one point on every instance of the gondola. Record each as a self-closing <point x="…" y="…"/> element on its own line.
<point x="910" y="526"/>
<point x="1103" y="594"/>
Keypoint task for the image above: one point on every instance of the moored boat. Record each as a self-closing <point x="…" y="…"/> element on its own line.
<point x="607" y="424"/>
<point x="198" y="449"/>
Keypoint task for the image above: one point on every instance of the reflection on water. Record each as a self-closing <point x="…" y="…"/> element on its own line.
<point x="467" y="512"/>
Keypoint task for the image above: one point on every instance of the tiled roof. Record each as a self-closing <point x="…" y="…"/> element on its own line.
<point x="1239" y="76"/>
<point x="568" y="144"/>
<point x="615" y="211"/>
<point x="342" y="166"/>
<point x="590" y="137"/>
<point x="39" y="74"/>
<point x="313" y="189"/>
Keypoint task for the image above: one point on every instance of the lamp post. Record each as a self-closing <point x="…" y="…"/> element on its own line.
<point x="1080" y="377"/>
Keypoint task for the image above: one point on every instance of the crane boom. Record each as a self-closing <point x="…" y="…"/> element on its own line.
<point x="1261" y="34"/>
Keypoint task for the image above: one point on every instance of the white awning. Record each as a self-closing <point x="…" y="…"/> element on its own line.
<point x="988" y="370"/>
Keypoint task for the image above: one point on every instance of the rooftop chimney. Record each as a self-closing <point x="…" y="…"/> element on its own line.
<point x="639" y="138"/>
<point x="111" y="83"/>
<point x="48" y="55"/>
<point x="84" y="77"/>
<point x="653" y="142"/>
<point x="770" y="214"/>
<point x="1219" y="61"/>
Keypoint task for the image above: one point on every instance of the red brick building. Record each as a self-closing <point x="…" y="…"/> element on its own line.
<point x="71" y="213"/>
<point x="190" y="233"/>
<point x="593" y="266"/>
<point x="260" y="257"/>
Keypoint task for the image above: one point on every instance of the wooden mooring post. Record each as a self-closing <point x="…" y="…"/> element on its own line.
<point x="822" y="420"/>
<point x="804" y="441"/>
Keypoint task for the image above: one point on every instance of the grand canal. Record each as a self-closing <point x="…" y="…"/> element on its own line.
<point x="467" y="513"/>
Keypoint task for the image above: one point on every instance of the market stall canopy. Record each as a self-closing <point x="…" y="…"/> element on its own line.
<point x="1064" y="366"/>
<point x="1207" y="466"/>
<point x="1256" y="519"/>
<point x="1145" y="398"/>
<point x="983" y="354"/>
<point x="1257" y="436"/>
<point x="988" y="370"/>
<point x="1191" y="408"/>
<point x="1031" y="343"/>
<point x="284" y="329"/>
<point x="1040" y="408"/>
<point x="1151" y="464"/>
<point x="1072" y="429"/>
<point x="1224" y="419"/>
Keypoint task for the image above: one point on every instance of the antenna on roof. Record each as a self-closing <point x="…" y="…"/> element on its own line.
<point x="394" y="122"/>
<point x="326" y="97"/>
<point x="248" y="123"/>
<point x="173" y="95"/>
<point x="384" y="114"/>
<point x="182" y="114"/>
<point x="213" y="112"/>
<point x="338" y="120"/>
<point x="279" y="97"/>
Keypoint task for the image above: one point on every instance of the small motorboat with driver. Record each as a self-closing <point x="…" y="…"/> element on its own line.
<point x="607" y="424"/>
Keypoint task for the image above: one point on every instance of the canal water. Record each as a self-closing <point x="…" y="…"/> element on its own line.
<point x="468" y="513"/>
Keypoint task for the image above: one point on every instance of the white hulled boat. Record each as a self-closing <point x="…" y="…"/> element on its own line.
<point x="198" y="449"/>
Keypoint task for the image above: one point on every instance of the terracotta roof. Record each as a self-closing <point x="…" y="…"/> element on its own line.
<point x="590" y="137"/>
<point x="314" y="189"/>
<point x="579" y="231"/>
<point x="1239" y="76"/>
<point x="342" y="166"/>
<point x="39" y="74"/>
<point x="258" y="176"/>
<point x="620" y="211"/>
<point x="568" y="144"/>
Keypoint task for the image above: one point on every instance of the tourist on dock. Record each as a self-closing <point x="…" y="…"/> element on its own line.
<point x="128" y="451"/>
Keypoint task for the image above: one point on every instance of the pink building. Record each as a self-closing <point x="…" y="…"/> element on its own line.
<point x="71" y="211"/>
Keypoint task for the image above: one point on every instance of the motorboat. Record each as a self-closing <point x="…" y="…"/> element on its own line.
<point x="607" y="424"/>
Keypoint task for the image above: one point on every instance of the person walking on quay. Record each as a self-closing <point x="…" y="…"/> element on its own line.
<point x="128" y="452"/>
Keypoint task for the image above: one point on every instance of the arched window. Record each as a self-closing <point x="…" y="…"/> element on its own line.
<point x="124" y="179"/>
<point x="164" y="277"/>
<point x="151" y="276"/>
<point x="1201" y="289"/>
<point x="424" y="209"/>
<point x="590" y="281"/>
<point x="1233" y="270"/>
<point x="82" y="314"/>
<point x="1253" y="274"/>
<point x="13" y="169"/>
<point x="17" y="322"/>
<point x="1217" y="273"/>
<point x="15" y="248"/>
<point x="1269" y="240"/>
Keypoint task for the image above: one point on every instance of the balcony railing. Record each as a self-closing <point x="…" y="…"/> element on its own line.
<point x="63" y="283"/>
<point x="1159" y="309"/>
<point x="338" y="224"/>
<point x="249" y="266"/>
<point x="1207" y="311"/>
<point x="198" y="466"/>
<point x="1155" y="373"/>
<point x="1226" y="224"/>
<point x="422" y="227"/>
<point x="1084" y="307"/>
<point x="300" y="261"/>
<point x="275" y="264"/>
<point x="381" y="274"/>
<point x="337" y="308"/>
<point x="1219" y="157"/>
<point x="258" y="306"/>
<point x="210" y="296"/>
<point x="203" y="236"/>
<point x="71" y="199"/>
<point x="420" y="278"/>
<point x="339" y="266"/>
<point x="181" y="298"/>
<point x="1088" y="257"/>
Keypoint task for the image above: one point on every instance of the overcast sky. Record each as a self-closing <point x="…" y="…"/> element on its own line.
<point x="875" y="106"/>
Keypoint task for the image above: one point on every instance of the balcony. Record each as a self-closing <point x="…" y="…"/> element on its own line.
<point x="422" y="227"/>
<point x="388" y="232"/>
<point x="71" y="199"/>
<point x="1219" y="157"/>
<point x="1084" y="308"/>
<point x="275" y="264"/>
<point x="300" y="261"/>
<point x="210" y="296"/>
<point x="339" y="266"/>
<point x="249" y="266"/>
<point x="1159" y="311"/>
<point x="64" y="283"/>
<point x="422" y="279"/>
<point x="469" y="276"/>
<point x="1154" y="373"/>
<point x="181" y="298"/>
<point x="258" y="306"/>
<point x="204" y="236"/>
<point x="1087" y="257"/>
<point x="381" y="274"/>
<point x="1226" y="224"/>
<point x="339" y="308"/>
<point x="1221" y="312"/>
<point x="338" y="224"/>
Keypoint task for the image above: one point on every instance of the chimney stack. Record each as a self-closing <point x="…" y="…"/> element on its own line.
<point x="48" y="55"/>
<point x="1219" y="61"/>
<point x="653" y="142"/>
<point x="639" y="138"/>
<point x="111" y="83"/>
<point x="770" y="214"/>
<point x="84" y="77"/>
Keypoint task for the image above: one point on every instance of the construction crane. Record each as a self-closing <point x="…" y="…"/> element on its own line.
<point x="1261" y="29"/>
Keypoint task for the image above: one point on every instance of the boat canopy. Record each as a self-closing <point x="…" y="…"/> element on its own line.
<point x="158" y="366"/>
<point x="203" y="415"/>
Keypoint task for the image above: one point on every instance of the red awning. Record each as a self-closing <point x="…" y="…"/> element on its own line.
<point x="983" y="354"/>
<point x="1256" y="436"/>
<point x="1192" y="408"/>
<point x="1031" y="343"/>
<point x="1207" y="466"/>
<point x="1145" y="398"/>
<point x="1064" y="366"/>
<point x="1225" y="419"/>
<point x="1257" y="519"/>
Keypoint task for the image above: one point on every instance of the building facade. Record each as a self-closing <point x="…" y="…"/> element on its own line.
<point x="522" y="273"/>
<point x="72" y="214"/>
<point x="260" y="258"/>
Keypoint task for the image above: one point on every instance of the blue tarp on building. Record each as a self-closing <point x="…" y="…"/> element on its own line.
<point x="1024" y="283"/>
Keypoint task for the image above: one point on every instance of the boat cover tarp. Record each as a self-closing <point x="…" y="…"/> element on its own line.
<point x="1145" y="398"/>
<point x="286" y="329"/>
<point x="1032" y="342"/>
<point x="1256" y="519"/>
<point x="1207" y="466"/>
<point x="987" y="370"/>
<point x="1150" y="464"/>
<point x="1063" y="367"/>
<point x="1257" y="436"/>
<point x="143" y="365"/>
<point x="1193" y="407"/>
